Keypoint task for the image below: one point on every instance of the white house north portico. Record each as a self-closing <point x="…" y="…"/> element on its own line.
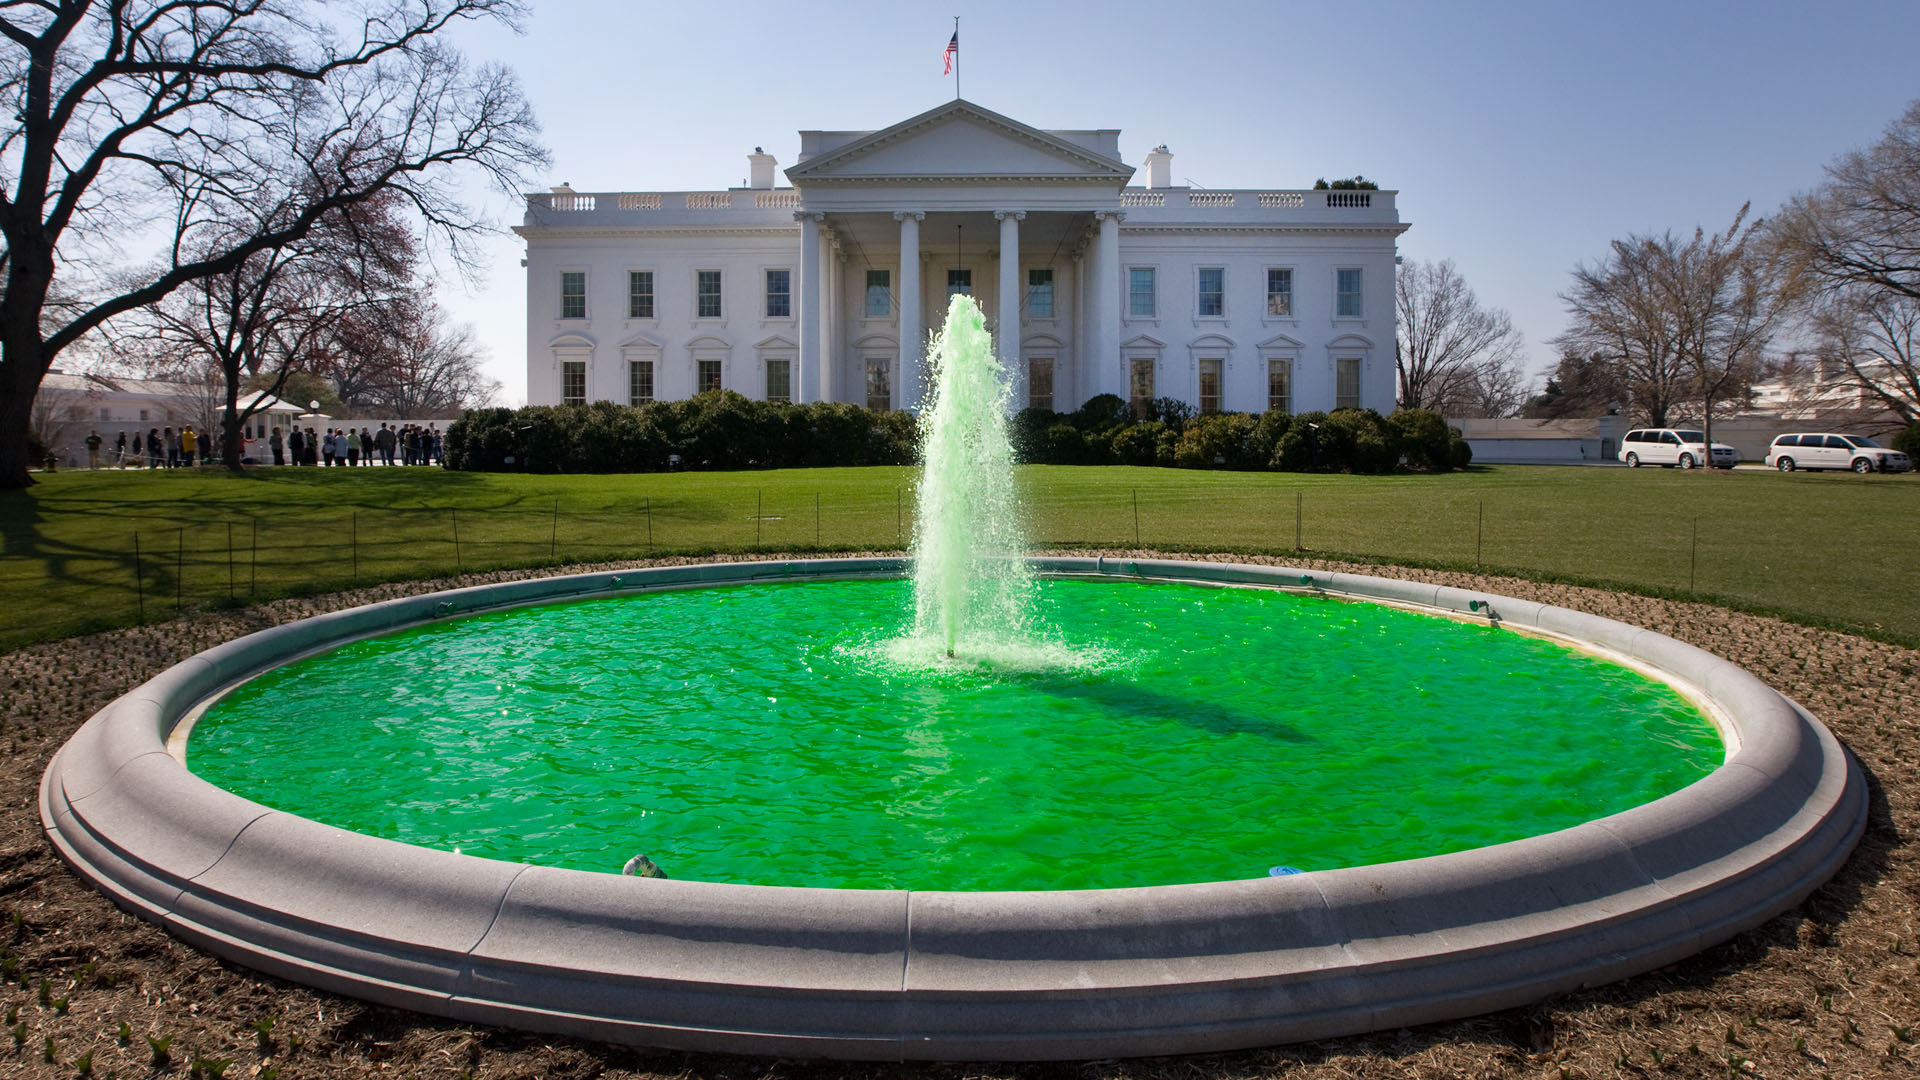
<point x="1238" y="300"/>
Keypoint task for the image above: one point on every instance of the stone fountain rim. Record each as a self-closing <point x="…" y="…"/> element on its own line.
<point x="958" y="976"/>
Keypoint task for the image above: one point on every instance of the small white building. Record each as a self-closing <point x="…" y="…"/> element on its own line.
<point x="1230" y="299"/>
<point x="69" y="406"/>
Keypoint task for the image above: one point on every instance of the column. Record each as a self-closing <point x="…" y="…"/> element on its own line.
<point x="1007" y="340"/>
<point x="906" y="376"/>
<point x="1108" y="376"/>
<point x="810" y="289"/>
<point x="829" y="304"/>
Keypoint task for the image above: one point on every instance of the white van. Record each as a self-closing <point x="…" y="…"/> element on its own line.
<point x="1814" y="451"/>
<point x="1667" y="447"/>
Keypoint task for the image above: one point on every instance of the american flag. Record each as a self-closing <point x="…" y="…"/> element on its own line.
<point x="953" y="50"/>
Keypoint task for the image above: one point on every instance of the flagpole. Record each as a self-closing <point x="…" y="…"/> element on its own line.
<point x="956" y="59"/>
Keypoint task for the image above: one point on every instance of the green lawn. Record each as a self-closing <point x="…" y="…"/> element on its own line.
<point x="1831" y="549"/>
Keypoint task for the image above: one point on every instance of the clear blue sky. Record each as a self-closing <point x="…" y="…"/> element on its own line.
<point x="1523" y="137"/>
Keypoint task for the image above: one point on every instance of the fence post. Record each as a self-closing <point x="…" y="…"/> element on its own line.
<point x="1693" y="555"/>
<point x="179" y="571"/>
<point x="816" y="521"/>
<point x="649" y="526"/>
<point x="229" y="560"/>
<point x="553" y="538"/>
<point x="253" y="558"/>
<point x="899" y="522"/>
<point x="757" y="519"/>
<point x="353" y="530"/>
<point x="1479" y="530"/>
<point x="1136" y="517"/>
<point x="1299" y="500"/>
<point x="459" y="566"/>
<point x="139" y="587"/>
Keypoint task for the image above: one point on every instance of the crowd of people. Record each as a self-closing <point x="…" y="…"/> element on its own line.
<point x="403" y="444"/>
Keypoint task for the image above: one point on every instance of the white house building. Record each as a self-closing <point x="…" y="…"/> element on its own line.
<point x="1229" y="299"/>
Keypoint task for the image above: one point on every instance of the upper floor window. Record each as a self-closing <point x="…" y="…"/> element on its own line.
<point x="1348" y="305"/>
<point x="1141" y="301"/>
<point x="639" y="382"/>
<point x="1211" y="303"/>
<point x="779" y="294"/>
<point x="1346" y="382"/>
<point x="959" y="281"/>
<point x="573" y="294"/>
<point x="1279" y="290"/>
<point x="639" y="294"/>
<point x="573" y="382"/>
<point x="780" y="381"/>
<point x="1040" y="293"/>
<point x="706" y="294"/>
<point x="879" y="294"/>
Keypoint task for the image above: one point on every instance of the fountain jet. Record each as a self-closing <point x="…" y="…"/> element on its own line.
<point x="970" y="577"/>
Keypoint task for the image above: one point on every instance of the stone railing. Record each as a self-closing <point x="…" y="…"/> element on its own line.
<point x="1143" y="198"/>
<point x="709" y="200"/>
<point x="1237" y="202"/>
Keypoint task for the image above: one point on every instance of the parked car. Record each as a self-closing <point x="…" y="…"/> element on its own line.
<point x="1667" y="447"/>
<point x="1822" y="450"/>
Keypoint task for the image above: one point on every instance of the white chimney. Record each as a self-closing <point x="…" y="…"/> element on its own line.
<point x="760" y="170"/>
<point x="1159" y="167"/>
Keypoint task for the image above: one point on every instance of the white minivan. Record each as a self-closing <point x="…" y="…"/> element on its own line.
<point x="1823" y="450"/>
<point x="1668" y="447"/>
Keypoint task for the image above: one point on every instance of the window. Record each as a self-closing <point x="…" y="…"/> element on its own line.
<point x="1211" y="303"/>
<point x="573" y="382"/>
<point x="1279" y="291"/>
<point x="1040" y="293"/>
<point x="707" y="294"/>
<point x="1348" y="306"/>
<point x="959" y="281"/>
<point x="1040" y="383"/>
<point x="1346" y="382"/>
<point x="1280" y="386"/>
<point x="143" y="416"/>
<point x="573" y="294"/>
<point x="1141" y="302"/>
<point x="879" y="294"/>
<point x="1210" y="384"/>
<point x="1140" y="386"/>
<point x="106" y="414"/>
<point x="639" y="382"/>
<point x="879" y="384"/>
<point x="639" y="294"/>
<point x="79" y="412"/>
<point x="779" y="294"/>
<point x="707" y="376"/>
<point x="780" y="381"/>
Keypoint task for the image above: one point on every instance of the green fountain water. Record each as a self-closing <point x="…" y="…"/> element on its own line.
<point x="971" y="585"/>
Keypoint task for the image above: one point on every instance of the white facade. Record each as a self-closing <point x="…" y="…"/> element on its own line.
<point x="1237" y="300"/>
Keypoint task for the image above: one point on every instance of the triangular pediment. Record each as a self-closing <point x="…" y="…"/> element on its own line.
<point x="961" y="141"/>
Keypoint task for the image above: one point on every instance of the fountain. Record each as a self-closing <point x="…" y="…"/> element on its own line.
<point x="970" y="579"/>
<point x="909" y="971"/>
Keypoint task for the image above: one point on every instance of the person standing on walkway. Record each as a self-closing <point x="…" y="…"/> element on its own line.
<point x="383" y="442"/>
<point x="94" y="443"/>
<point x="189" y="446"/>
<point x="120" y="450"/>
<point x="279" y="447"/>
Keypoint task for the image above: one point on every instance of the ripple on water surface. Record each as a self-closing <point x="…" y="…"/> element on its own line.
<point x="787" y="734"/>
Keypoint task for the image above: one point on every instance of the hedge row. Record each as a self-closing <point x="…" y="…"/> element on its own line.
<point x="716" y="430"/>
<point x="1105" y="431"/>
<point x="723" y="430"/>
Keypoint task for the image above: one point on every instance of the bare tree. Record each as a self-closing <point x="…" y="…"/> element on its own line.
<point x="1448" y="350"/>
<point x="1723" y="298"/>
<point x="1862" y="227"/>
<point x="1871" y="337"/>
<point x="175" y="115"/>
<point x="265" y="319"/>
<point x="1616" y="311"/>
<point x="1852" y="246"/>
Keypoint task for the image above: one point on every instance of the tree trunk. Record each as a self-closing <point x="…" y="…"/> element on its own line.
<point x="231" y="421"/>
<point x="21" y="370"/>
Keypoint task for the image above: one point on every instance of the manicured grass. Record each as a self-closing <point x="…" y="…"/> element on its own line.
<point x="1833" y="550"/>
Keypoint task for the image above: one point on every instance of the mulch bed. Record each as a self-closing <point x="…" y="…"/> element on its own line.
<point x="1828" y="988"/>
